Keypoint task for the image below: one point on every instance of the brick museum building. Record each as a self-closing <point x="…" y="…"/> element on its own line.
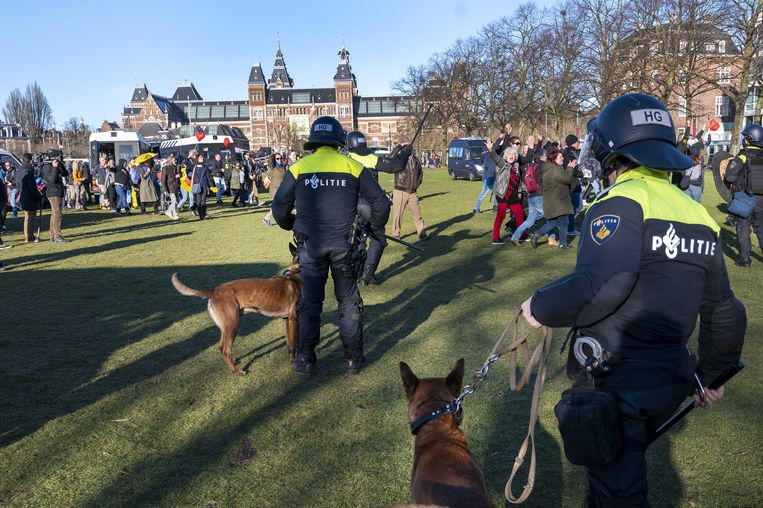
<point x="274" y="113"/>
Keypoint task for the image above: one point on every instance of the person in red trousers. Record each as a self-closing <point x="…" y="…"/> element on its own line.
<point x="510" y="200"/>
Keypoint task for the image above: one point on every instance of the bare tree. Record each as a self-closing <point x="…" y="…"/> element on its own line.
<point x="561" y="81"/>
<point x="14" y="107"/>
<point x="604" y="26"/>
<point x="514" y="68"/>
<point x="31" y="110"/>
<point x="742" y="20"/>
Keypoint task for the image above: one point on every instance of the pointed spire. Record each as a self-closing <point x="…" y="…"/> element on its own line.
<point x="280" y="77"/>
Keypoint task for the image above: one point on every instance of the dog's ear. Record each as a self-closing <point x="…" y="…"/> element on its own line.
<point x="410" y="381"/>
<point x="293" y="250"/>
<point x="456" y="378"/>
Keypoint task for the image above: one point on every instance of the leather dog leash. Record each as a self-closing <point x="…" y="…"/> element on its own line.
<point x="515" y="332"/>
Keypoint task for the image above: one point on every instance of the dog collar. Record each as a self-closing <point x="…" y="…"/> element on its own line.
<point x="451" y="407"/>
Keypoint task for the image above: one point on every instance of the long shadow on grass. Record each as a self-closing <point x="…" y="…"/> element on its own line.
<point x="68" y="252"/>
<point x="393" y="321"/>
<point x="438" y="245"/>
<point x="171" y="473"/>
<point x="68" y="323"/>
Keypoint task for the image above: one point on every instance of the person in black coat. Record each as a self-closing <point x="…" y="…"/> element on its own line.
<point x="54" y="175"/>
<point x="122" y="186"/>
<point x="201" y="183"/>
<point x="31" y="198"/>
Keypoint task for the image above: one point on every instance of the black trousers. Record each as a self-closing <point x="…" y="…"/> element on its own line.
<point x="648" y="393"/>
<point x="238" y="196"/>
<point x="200" y="203"/>
<point x="375" y="247"/>
<point x="314" y="270"/>
<point x="745" y="227"/>
<point x="143" y="207"/>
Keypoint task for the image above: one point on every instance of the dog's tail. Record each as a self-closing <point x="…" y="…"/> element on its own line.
<point x="185" y="290"/>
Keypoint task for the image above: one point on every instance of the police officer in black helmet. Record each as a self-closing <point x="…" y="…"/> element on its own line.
<point x="649" y="262"/>
<point x="357" y="148"/>
<point x="745" y="173"/>
<point x="325" y="187"/>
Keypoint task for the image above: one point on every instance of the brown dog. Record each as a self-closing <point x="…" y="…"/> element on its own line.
<point x="444" y="470"/>
<point x="273" y="297"/>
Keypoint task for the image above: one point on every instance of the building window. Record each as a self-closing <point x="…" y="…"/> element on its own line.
<point x="258" y="113"/>
<point x="721" y="46"/>
<point x="344" y="111"/>
<point x="710" y="47"/>
<point x="282" y="112"/>
<point x="749" y="105"/>
<point x="203" y="112"/>
<point x="721" y="106"/>
<point x="682" y="106"/>
<point x="218" y="111"/>
<point x="300" y="97"/>
<point x="374" y="107"/>
<point x="231" y="111"/>
<point x="724" y="75"/>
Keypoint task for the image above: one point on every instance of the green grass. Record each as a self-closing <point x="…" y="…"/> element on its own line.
<point x="113" y="393"/>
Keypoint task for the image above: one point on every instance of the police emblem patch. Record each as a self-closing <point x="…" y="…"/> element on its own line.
<point x="603" y="228"/>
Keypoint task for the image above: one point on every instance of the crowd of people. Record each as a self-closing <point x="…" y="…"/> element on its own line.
<point x="172" y="185"/>
<point x="534" y="180"/>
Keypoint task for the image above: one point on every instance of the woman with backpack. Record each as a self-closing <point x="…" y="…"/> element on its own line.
<point x="506" y="190"/>
<point x="557" y="200"/>
<point x="534" y="186"/>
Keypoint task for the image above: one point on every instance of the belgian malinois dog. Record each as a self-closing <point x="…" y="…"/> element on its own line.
<point x="444" y="470"/>
<point x="273" y="297"/>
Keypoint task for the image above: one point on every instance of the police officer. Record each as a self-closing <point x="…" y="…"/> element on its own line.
<point x="745" y="173"/>
<point x="358" y="149"/>
<point x="325" y="187"/>
<point x="649" y="261"/>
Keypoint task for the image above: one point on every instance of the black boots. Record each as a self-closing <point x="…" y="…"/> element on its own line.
<point x="303" y="363"/>
<point x="355" y="361"/>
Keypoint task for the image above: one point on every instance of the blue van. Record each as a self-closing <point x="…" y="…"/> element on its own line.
<point x="465" y="158"/>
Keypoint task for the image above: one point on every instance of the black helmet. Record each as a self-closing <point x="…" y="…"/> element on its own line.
<point x="636" y="127"/>
<point x="326" y="130"/>
<point x="753" y="135"/>
<point x="356" y="143"/>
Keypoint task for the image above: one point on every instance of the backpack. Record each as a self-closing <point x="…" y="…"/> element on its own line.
<point x="502" y="180"/>
<point x="531" y="177"/>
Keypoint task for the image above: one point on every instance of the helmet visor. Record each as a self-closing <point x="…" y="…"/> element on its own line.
<point x="585" y="156"/>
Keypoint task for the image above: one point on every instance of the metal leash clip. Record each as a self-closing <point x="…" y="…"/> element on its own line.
<point x="593" y="362"/>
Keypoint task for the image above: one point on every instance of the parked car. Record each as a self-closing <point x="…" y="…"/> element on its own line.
<point x="465" y="158"/>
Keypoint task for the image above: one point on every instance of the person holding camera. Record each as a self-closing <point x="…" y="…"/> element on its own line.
<point x="30" y="197"/>
<point x="54" y="175"/>
<point x="650" y="260"/>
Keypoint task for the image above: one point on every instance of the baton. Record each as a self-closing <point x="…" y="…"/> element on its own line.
<point x="379" y="236"/>
<point x="719" y="381"/>
<point x="421" y="124"/>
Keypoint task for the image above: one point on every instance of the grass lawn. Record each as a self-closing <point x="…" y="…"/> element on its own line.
<point x="113" y="392"/>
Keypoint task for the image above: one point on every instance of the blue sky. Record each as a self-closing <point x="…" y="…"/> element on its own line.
<point x="87" y="56"/>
